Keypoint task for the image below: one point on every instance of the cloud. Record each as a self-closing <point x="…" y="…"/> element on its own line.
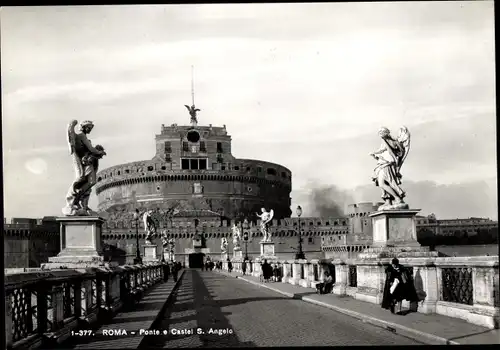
<point x="36" y="166"/>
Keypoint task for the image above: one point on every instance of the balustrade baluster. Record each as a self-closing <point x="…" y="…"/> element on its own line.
<point x="42" y="293"/>
<point x="9" y="324"/>
<point x="57" y="306"/>
<point x="77" y="294"/>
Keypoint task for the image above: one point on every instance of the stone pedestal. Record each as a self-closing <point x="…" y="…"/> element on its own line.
<point x="395" y="235"/>
<point x="150" y="254"/>
<point x="224" y="256"/>
<point x="267" y="250"/>
<point x="81" y="244"/>
<point x="237" y="254"/>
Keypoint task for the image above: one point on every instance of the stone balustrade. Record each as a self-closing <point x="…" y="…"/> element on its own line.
<point x="43" y="307"/>
<point x="460" y="287"/>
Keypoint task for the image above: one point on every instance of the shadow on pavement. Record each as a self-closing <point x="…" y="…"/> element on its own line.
<point x="301" y="295"/>
<point x="209" y="315"/>
<point x="206" y="312"/>
<point x="230" y="302"/>
<point x="471" y="334"/>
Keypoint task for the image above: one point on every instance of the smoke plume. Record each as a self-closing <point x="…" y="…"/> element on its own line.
<point x="329" y="201"/>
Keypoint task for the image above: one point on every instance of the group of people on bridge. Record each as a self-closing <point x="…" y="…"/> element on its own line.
<point x="173" y="268"/>
<point x="209" y="265"/>
<point x="270" y="272"/>
<point x="398" y="286"/>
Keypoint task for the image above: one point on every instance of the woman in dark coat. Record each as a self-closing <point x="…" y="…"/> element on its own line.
<point x="405" y="289"/>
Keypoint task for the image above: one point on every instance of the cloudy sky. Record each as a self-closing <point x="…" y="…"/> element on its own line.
<point x="303" y="85"/>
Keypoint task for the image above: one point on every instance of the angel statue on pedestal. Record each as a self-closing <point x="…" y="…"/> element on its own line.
<point x="223" y="245"/>
<point x="168" y="243"/>
<point x="236" y="237"/>
<point x="390" y="158"/>
<point x="265" y="219"/>
<point x="149" y="226"/>
<point x="85" y="162"/>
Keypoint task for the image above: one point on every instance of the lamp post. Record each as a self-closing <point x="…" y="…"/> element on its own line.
<point x="246" y="226"/>
<point x="163" y="241"/>
<point x="138" y="259"/>
<point x="300" y="254"/>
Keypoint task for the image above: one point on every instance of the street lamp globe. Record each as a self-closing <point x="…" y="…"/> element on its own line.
<point x="299" y="211"/>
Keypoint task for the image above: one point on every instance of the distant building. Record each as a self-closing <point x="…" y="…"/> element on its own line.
<point x="450" y="227"/>
<point x="30" y="242"/>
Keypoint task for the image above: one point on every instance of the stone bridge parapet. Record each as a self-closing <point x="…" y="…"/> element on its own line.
<point x="459" y="287"/>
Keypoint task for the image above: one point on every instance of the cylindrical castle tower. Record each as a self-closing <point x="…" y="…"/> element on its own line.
<point x="360" y="221"/>
<point x="193" y="170"/>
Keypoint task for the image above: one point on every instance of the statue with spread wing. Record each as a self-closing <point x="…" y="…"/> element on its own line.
<point x="236" y="237"/>
<point x="149" y="225"/>
<point x="265" y="219"/>
<point x="85" y="162"/>
<point x="223" y="245"/>
<point x="168" y="243"/>
<point x="387" y="174"/>
<point x="192" y="112"/>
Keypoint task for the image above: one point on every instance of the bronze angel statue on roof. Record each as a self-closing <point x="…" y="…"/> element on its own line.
<point x="85" y="162"/>
<point x="387" y="174"/>
<point x="192" y="112"/>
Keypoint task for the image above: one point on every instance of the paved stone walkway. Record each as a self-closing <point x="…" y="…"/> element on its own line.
<point x="142" y="316"/>
<point x="249" y="316"/>
<point x="430" y="328"/>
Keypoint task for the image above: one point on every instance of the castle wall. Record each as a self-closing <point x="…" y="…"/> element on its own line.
<point x="29" y="247"/>
<point x="284" y="235"/>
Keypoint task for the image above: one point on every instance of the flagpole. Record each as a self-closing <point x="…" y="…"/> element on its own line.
<point x="192" y="84"/>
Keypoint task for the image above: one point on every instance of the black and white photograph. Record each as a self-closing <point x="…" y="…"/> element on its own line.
<point x="249" y="175"/>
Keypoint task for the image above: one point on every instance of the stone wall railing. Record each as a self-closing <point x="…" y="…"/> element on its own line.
<point x="43" y="307"/>
<point x="460" y="287"/>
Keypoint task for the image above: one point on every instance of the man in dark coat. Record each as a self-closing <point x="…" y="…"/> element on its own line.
<point x="398" y="286"/>
<point x="244" y="267"/>
<point x="267" y="271"/>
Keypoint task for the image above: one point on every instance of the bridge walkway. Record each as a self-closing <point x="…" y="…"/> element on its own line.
<point x="429" y="328"/>
<point x="131" y="320"/>
<point x="217" y="309"/>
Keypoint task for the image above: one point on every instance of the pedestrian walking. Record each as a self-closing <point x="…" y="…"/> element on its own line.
<point x="229" y="266"/>
<point x="244" y="267"/>
<point x="166" y="272"/>
<point x="276" y="273"/>
<point x="267" y="271"/>
<point x="398" y="286"/>
<point x="175" y="271"/>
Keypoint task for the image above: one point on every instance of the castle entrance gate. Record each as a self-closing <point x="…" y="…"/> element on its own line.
<point x="196" y="260"/>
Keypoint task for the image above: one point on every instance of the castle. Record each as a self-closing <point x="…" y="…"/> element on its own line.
<point x="198" y="190"/>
